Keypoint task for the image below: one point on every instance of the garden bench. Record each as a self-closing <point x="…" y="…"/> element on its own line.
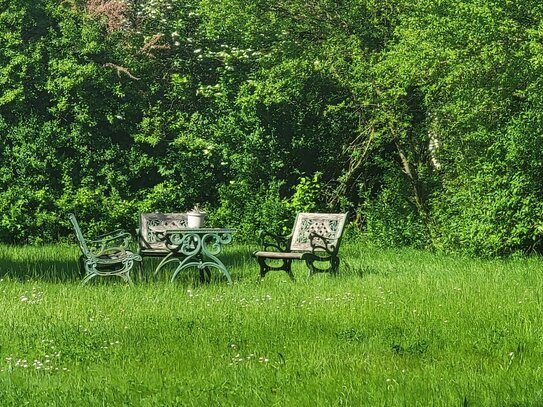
<point x="315" y="239"/>
<point x="150" y="244"/>
<point x="105" y="255"/>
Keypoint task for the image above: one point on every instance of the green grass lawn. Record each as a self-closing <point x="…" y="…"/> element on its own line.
<point x="395" y="328"/>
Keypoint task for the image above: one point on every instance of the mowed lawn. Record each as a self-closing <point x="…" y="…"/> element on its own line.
<point x="395" y="328"/>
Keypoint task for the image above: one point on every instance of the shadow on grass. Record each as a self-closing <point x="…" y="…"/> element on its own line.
<point x="68" y="271"/>
<point x="27" y="264"/>
<point x="43" y="270"/>
<point x="59" y="263"/>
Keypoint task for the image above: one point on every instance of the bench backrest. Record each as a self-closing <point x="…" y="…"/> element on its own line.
<point x="164" y="221"/>
<point x="328" y="225"/>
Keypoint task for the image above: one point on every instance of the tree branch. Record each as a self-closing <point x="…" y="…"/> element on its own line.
<point x="120" y="70"/>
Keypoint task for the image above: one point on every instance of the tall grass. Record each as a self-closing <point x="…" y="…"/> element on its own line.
<point x="396" y="327"/>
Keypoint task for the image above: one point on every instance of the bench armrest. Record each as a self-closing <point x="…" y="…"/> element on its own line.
<point x="320" y="243"/>
<point x="274" y="242"/>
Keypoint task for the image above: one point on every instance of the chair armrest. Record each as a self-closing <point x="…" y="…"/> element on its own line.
<point x="110" y="243"/>
<point x="124" y="236"/>
<point x="320" y="243"/>
<point x="272" y="241"/>
<point x="112" y="233"/>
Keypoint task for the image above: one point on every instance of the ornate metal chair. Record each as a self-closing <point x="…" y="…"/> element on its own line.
<point x="315" y="239"/>
<point x="105" y="255"/>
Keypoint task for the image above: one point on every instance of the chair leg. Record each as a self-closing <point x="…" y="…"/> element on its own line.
<point x="126" y="277"/>
<point x="125" y="272"/>
<point x="88" y="277"/>
<point x="81" y="265"/>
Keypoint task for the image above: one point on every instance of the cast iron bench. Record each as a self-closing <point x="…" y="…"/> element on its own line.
<point x="105" y="255"/>
<point x="151" y="245"/>
<point x="315" y="239"/>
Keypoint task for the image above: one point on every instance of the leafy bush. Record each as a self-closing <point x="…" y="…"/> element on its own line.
<point x="249" y="209"/>
<point x="392" y="218"/>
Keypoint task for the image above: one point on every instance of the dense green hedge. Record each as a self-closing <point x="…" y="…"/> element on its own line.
<point x="422" y="118"/>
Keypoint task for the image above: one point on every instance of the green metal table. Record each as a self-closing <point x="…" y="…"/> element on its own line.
<point x="195" y="247"/>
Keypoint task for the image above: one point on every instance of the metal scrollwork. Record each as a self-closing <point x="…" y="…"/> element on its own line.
<point x="212" y="242"/>
<point x="327" y="229"/>
<point x="162" y="224"/>
<point x="196" y="248"/>
<point x="186" y="244"/>
<point x="105" y="255"/>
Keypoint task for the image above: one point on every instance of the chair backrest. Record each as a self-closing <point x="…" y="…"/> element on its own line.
<point x="80" y="238"/>
<point x="164" y="221"/>
<point x="328" y="225"/>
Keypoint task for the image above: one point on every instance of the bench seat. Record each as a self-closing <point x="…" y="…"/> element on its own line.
<point x="280" y="255"/>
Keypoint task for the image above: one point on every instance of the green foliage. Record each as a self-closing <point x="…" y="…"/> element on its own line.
<point x="423" y="118"/>
<point x="249" y="209"/>
<point x="473" y="63"/>
<point x="307" y="195"/>
<point x="392" y="219"/>
<point x="494" y="208"/>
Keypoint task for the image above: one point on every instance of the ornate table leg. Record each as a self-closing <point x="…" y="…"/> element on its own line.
<point x="203" y="262"/>
<point x="201" y="251"/>
<point x="165" y="260"/>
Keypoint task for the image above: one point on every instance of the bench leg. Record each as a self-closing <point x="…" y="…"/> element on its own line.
<point x="334" y="265"/>
<point x="265" y="268"/>
<point x="313" y="269"/>
<point x="287" y="266"/>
